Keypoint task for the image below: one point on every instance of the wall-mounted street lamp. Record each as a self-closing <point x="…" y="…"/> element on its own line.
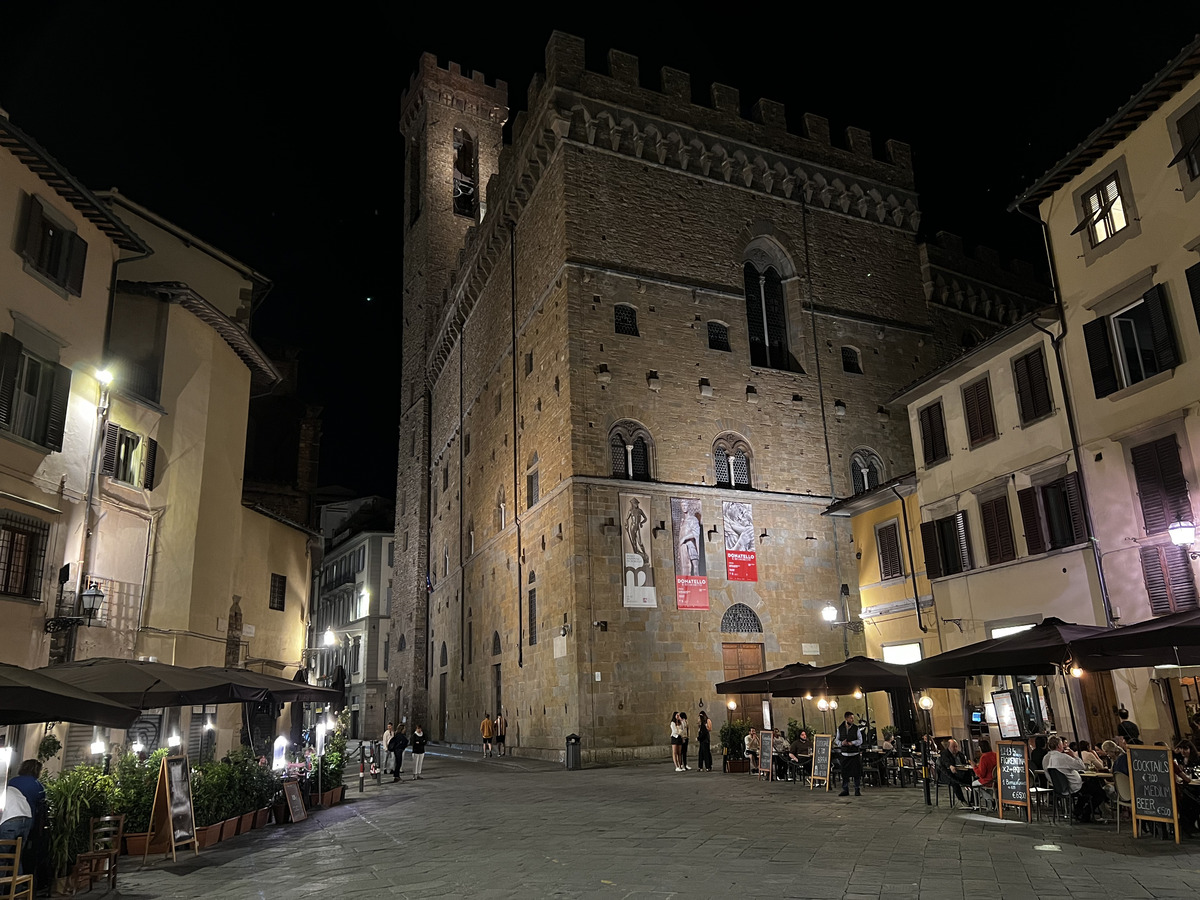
<point x="90" y="601"/>
<point x="830" y="614"/>
<point x="1183" y="534"/>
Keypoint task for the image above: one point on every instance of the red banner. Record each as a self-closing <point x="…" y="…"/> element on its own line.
<point x="691" y="592"/>
<point x="741" y="565"/>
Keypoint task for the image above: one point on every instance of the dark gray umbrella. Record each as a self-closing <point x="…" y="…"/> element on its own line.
<point x="1172" y="640"/>
<point x="27" y="696"/>
<point x="149" y="685"/>
<point x="857" y="673"/>
<point x="1041" y="650"/>
<point x="281" y="690"/>
<point x="760" y="683"/>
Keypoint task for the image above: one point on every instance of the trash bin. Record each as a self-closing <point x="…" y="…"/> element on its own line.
<point x="573" y="759"/>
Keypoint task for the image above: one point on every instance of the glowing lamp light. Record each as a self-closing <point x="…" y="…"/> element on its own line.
<point x="279" y="762"/>
<point x="137" y="747"/>
<point x="833" y="704"/>
<point x="1076" y="672"/>
<point x="320" y="738"/>
<point x="330" y="637"/>
<point x="808" y="696"/>
<point x="926" y="703"/>
<point x="105" y="377"/>
<point x="173" y="741"/>
<point x="208" y="725"/>
<point x="732" y="704"/>
<point x="98" y="747"/>
<point x="822" y="704"/>
<point x="858" y="693"/>
<point x="829" y="613"/>
<point x="1182" y="533"/>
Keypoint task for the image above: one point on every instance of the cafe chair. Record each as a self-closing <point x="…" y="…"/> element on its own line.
<point x="1038" y="794"/>
<point x="17" y="887"/>
<point x="100" y="862"/>
<point x="1062" y="794"/>
<point x="1124" y="796"/>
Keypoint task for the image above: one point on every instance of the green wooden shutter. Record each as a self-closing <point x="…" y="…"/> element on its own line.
<point x="1038" y="386"/>
<point x="151" y="460"/>
<point x="1031" y="519"/>
<point x="997" y="530"/>
<point x="31" y="244"/>
<point x="890" y="565"/>
<point x="56" y="418"/>
<point x="964" y="541"/>
<point x="112" y="443"/>
<point x="1162" y="488"/>
<point x="10" y="359"/>
<point x="1074" y="492"/>
<point x="1100" y="360"/>
<point x="929" y="546"/>
<point x="76" y="258"/>
<point x="1166" y="353"/>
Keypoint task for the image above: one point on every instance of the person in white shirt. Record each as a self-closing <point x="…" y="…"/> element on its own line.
<point x="1088" y="792"/>
<point x="389" y="758"/>
<point x="17" y="818"/>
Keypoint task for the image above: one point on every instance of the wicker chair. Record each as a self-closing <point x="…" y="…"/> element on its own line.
<point x="101" y="861"/>
<point x="16" y="887"/>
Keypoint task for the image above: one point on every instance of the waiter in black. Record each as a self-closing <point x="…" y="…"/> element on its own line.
<point x="849" y="742"/>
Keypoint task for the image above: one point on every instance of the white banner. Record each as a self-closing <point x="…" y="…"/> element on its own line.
<point x="638" y="571"/>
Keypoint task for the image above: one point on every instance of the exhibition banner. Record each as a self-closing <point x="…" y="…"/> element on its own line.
<point x="691" y="570"/>
<point x="741" y="564"/>
<point x="638" y="572"/>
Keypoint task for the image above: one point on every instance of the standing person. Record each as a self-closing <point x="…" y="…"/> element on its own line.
<point x="418" y="751"/>
<point x="849" y="740"/>
<point x="1127" y="729"/>
<point x="683" y="747"/>
<point x="500" y="731"/>
<point x="676" y="742"/>
<point x="389" y="758"/>
<point x="396" y="750"/>
<point x="704" y="751"/>
<point x="485" y="730"/>
<point x="26" y="781"/>
<point x="17" y="819"/>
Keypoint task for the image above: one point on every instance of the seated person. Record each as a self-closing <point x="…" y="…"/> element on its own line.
<point x="953" y="768"/>
<point x="802" y="745"/>
<point x="779" y="755"/>
<point x="753" y="744"/>
<point x="1037" y="756"/>
<point x="985" y="769"/>
<point x="1186" y="792"/>
<point x="1088" y="792"/>
<point x="1089" y="757"/>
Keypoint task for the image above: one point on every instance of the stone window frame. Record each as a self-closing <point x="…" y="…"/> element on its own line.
<point x="851" y="360"/>
<point x="1090" y="249"/>
<point x="531" y="598"/>
<point x="740" y="614"/>
<point x="728" y="446"/>
<point x="857" y="458"/>
<point x="722" y="335"/>
<point x="532" y="482"/>
<point x="625" y="319"/>
<point x="628" y="432"/>
<point x="474" y="206"/>
<point x="1189" y="183"/>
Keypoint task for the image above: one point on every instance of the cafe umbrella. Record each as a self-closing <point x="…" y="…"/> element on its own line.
<point x="1043" y="649"/>
<point x="761" y="682"/>
<point x="29" y="696"/>
<point x="147" y="684"/>
<point x="1171" y="640"/>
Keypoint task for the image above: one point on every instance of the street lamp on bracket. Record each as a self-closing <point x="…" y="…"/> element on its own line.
<point x="90" y="600"/>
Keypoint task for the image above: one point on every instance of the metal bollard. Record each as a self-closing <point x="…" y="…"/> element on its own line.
<point x="362" y="758"/>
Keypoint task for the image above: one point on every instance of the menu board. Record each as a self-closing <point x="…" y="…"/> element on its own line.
<point x="766" y="766"/>
<point x="171" y="821"/>
<point x="1006" y="715"/>
<point x="1012" y="776"/>
<point x="1152" y="784"/>
<point x="822" y="747"/>
<point x="296" y="811"/>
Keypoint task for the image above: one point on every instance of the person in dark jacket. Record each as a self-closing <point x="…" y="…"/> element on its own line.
<point x="418" y="751"/>
<point x="396" y="747"/>
<point x="849" y="741"/>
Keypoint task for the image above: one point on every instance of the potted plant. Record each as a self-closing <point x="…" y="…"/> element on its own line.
<point x="210" y="784"/>
<point x="49" y="747"/>
<point x="264" y="785"/>
<point x="243" y="763"/>
<point x="75" y="797"/>
<point x="733" y="740"/>
<point x="136" y="781"/>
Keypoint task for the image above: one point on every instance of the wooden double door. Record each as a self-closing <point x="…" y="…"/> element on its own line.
<point x="741" y="660"/>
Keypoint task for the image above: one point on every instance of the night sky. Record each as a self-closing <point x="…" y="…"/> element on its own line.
<point x="274" y="136"/>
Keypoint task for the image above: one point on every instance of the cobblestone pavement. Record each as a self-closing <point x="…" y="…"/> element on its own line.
<point x="479" y="829"/>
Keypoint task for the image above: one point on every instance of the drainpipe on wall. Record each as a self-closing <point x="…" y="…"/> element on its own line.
<point x="512" y="266"/>
<point x="912" y="565"/>
<point x="1069" y="409"/>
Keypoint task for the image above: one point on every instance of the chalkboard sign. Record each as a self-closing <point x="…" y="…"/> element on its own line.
<point x="822" y="746"/>
<point x="171" y="822"/>
<point x="296" y="810"/>
<point x="1152" y="783"/>
<point x="1012" y="776"/>
<point x="764" y="759"/>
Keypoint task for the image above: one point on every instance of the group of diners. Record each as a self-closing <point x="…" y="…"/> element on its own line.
<point x="790" y="760"/>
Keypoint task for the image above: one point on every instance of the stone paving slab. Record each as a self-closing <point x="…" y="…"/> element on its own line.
<point x="512" y="828"/>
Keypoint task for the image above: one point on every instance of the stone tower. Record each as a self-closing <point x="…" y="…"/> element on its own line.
<point x="452" y="124"/>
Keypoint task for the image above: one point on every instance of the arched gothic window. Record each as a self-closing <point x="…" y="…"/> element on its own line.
<point x="731" y="461"/>
<point x="466" y="175"/>
<point x="625" y="319"/>
<point x="495" y="643"/>
<point x="740" y="619"/>
<point x="866" y="470"/>
<point x="766" y="317"/>
<point x="401" y="645"/>
<point x="631" y="451"/>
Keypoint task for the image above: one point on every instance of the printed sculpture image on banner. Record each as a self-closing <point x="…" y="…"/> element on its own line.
<point x="740" y="561"/>
<point x="691" y="569"/>
<point x="638" y="571"/>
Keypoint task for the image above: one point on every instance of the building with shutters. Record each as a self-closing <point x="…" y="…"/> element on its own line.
<point x="1122" y="221"/>
<point x="644" y="347"/>
<point x="999" y="508"/>
<point x="131" y="485"/>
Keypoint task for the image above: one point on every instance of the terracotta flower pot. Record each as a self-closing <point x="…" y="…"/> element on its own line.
<point x="261" y="816"/>
<point x="328" y="798"/>
<point x="229" y="828"/>
<point x="207" y="835"/>
<point x="245" y="822"/>
<point x="135" y="844"/>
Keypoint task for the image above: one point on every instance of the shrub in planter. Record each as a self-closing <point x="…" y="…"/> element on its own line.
<point x="75" y="797"/>
<point x="136" y="782"/>
<point x="733" y="737"/>
<point x="212" y="787"/>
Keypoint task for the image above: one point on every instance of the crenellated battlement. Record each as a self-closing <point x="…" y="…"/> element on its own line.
<point x="566" y="68"/>
<point x="469" y="92"/>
